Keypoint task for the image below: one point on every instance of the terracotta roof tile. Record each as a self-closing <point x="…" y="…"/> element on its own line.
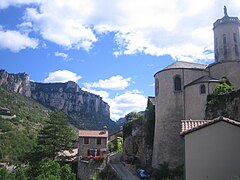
<point x="190" y="124"/>
<point x="193" y="125"/>
<point x="93" y="133"/>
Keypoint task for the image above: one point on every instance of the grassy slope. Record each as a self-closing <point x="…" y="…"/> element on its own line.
<point x="17" y="136"/>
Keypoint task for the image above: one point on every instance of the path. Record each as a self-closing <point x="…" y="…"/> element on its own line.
<point x="121" y="170"/>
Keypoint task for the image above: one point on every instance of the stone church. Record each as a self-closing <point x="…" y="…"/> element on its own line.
<point x="181" y="90"/>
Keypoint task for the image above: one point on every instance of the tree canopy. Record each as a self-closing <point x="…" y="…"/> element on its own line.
<point x="56" y="136"/>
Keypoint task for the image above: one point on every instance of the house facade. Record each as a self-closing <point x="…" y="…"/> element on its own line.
<point x="211" y="149"/>
<point x="92" y="142"/>
<point x="181" y="90"/>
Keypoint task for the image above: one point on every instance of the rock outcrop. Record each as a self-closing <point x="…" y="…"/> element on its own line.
<point x="84" y="110"/>
<point x="18" y="83"/>
<point x="138" y="140"/>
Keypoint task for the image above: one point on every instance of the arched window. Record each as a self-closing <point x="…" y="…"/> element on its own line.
<point x="202" y="89"/>
<point x="177" y="84"/>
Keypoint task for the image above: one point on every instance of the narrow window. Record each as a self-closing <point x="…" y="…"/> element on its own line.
<point x="202" y="89"/>
<point x="236" y="50"/>
<point x="224" y="39"/>
<point x="225" y="50"/>
<point x="156" y="87"/>
<point x="235" y="37"/>
<point x="216" y="42"/>
<point x="177" y="84"/>
<point x="216" y="55"/>
<point x="99" y="141"/>
<point x="86" y="140"/>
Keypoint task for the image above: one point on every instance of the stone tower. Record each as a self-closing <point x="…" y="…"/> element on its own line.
<point x="181" y="90"/>
<point x="226" y="38"/>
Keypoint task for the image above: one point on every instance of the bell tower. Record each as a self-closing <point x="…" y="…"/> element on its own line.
<point x="227" y="38"/>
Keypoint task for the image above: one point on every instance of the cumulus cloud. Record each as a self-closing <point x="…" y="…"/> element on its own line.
<point x="62" y="76"/>
<point x="6" y="3"/>
<point x="125" y="103"/>
<point x="61" y="26"/>
<point x="15" y="41"/>
<point x="114" y="83"/>
<point x="181" y="29"/>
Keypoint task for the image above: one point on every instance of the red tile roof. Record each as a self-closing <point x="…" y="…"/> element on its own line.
<point x="93" y="133"/>
<point x="189" y="126"/>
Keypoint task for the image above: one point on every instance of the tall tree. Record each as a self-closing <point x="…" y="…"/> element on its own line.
<point x="56" y="136"/>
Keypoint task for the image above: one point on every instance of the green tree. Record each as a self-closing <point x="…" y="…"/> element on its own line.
<point x="133" y="116"/>
<point x="223" y="87"/>
<point x="51" y="170"/>
<point x="5" y="174"/>
<point x="56" y="136"/>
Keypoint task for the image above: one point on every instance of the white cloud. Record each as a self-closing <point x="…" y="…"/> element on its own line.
<point x="122" y="104"/>
<point x="155" y="27"/>
<point x="15" y="41"/>
<point x="125" y="103"/>
<point x="114" y="83"/>
<point x="62" y="76"/>
<point x="63" y="55"/>
<point x="6" y="3"/>
<point x="103" y="94"/>
<point x="62" y="26"/>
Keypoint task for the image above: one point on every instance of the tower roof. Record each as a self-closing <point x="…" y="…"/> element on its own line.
<point x="226" y="19"/>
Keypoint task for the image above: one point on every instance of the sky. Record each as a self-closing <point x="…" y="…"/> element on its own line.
<point x="109" y="48"/>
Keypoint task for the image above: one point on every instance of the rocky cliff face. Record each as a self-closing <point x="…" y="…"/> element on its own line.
<point x="69" y="98"/>
<point x="18" y="83"/>
<point x="84" y="110"/>
<point x="138" y="140"/>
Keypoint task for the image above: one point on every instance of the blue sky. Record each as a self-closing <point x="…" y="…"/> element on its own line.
<point x="112" y="49"/>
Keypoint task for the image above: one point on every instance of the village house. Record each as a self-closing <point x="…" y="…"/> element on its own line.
<point x="211" y="149"/>
<point x="92" y="142"/>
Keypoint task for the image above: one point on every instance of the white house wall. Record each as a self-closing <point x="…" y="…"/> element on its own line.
<point x="213" y="152"/>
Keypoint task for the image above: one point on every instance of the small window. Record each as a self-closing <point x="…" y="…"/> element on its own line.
<point x="236" y="50"/>
<point x="225" y="50"/>
<point x="216" y="42"/>
<point x="177" y="84"/>
<point x="92" y="152"/>
<point x="202" y="89"/>
<point x="224" y="39"/>
<point x="86" y="140"/>
<point x="216" y="54"/>
<point x="156" y="87"/>
<point x="99" y="141"/>
<point x="235" y="37"/>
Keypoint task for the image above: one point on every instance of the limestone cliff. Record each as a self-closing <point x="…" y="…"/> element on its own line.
<point x="18" y="83"/>
<point x="84" y="110"/>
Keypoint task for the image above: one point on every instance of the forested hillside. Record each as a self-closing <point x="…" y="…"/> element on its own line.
<point x="17" y="135"/>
